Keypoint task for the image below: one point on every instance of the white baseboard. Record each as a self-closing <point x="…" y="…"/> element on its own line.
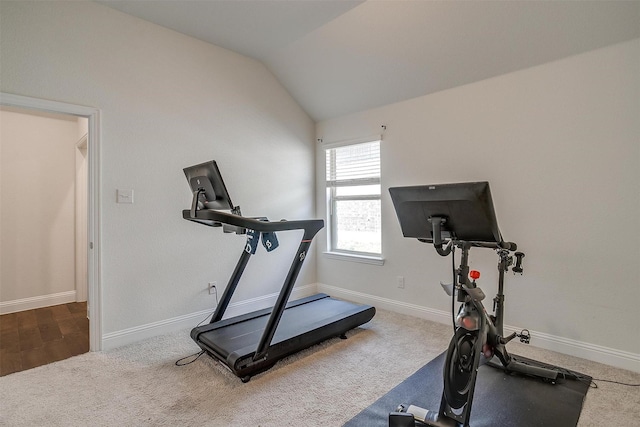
<point x="37" y="302"/>
<point x="128" y="336"/>
<point x="609" y="356"/>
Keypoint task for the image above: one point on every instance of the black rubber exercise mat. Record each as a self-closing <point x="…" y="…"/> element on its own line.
<point x="500" y="400"/>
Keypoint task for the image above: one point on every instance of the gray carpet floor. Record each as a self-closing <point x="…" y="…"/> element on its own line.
<point x="139" y="385"/>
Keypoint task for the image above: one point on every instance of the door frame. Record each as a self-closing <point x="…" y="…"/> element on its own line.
<point x="94" y="303"/>
<point x="81" y="240"/>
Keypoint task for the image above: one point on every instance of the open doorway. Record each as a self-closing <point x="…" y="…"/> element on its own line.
<point x="50" y="231"/>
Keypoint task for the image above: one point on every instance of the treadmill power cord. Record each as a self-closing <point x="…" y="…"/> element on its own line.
<point x="197" y="356"/>
<point x="206" y="317"/>
<point x="210" y="314"/>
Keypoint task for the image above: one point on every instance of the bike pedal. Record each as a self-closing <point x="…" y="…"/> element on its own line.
<point x="525" y="336"/>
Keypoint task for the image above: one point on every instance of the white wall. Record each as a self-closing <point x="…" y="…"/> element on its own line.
<point x="38" y="207"/>
<point x="167" y="101"/>
<point x="560" y="146"/>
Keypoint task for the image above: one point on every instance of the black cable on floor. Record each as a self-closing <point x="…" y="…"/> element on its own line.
<point x="187" y="363"/>
<point x="613" y="382"/>
<point x="568" y="374"/>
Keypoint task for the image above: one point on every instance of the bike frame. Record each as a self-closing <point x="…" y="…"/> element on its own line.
<point x="461" y="216"/>
<point x="473" y="319"/>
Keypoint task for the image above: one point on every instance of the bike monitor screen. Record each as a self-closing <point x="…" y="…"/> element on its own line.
<point x="467" y="209"/>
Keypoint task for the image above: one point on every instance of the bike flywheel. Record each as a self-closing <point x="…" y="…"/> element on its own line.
<point x="459" y="367"/>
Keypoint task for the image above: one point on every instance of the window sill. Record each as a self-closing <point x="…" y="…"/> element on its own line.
<point x="365" y="259"/>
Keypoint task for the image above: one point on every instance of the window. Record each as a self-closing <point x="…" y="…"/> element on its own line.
<point x="353" y="199"/>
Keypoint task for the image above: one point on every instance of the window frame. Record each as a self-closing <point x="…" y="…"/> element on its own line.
<point x="331" y="198"/>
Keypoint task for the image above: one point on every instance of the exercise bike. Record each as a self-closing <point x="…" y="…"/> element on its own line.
<point x="461" y="216"/>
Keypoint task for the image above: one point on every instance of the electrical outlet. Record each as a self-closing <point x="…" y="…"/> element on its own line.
<point x="212" y="288"/>
<point x="401" y="282"/>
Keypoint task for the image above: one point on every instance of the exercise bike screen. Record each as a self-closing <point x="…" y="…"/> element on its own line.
<point x="466" y="207"/>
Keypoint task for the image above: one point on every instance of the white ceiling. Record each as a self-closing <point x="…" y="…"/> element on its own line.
<point x="339" y="57"/>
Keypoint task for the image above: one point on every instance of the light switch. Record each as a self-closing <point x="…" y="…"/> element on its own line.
<point x="125" y="196"/>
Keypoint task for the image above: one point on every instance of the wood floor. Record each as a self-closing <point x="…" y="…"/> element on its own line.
<point x="37" y="337"/>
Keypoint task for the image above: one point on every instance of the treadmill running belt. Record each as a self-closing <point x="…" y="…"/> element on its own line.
<point x="295" y="321"/>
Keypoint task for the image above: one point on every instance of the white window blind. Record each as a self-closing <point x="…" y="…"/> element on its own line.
<point x="353" y="198"/>
<point x="357" y="164"/>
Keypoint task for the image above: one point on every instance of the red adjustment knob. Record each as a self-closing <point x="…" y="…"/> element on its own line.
<point x="474" y="274"/>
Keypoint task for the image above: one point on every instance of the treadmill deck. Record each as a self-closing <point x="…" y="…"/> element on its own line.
<point x="304" y="322"/>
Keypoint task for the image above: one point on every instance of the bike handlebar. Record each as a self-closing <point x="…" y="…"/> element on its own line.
<point x="518" y="267"/>
<point x="509" y="246"/>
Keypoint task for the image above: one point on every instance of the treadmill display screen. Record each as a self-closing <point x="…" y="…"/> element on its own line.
<point x="206" y="177"/>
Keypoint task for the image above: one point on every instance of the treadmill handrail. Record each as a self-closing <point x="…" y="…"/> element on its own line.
<point x="310" y="226"/>
<point x="281" y="301"/>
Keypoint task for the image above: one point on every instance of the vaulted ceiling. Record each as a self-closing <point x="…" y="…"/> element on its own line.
<point x="339" y="57"/>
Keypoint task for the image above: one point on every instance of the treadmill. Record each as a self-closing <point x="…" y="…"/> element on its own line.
<point x="252" y="343"/>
